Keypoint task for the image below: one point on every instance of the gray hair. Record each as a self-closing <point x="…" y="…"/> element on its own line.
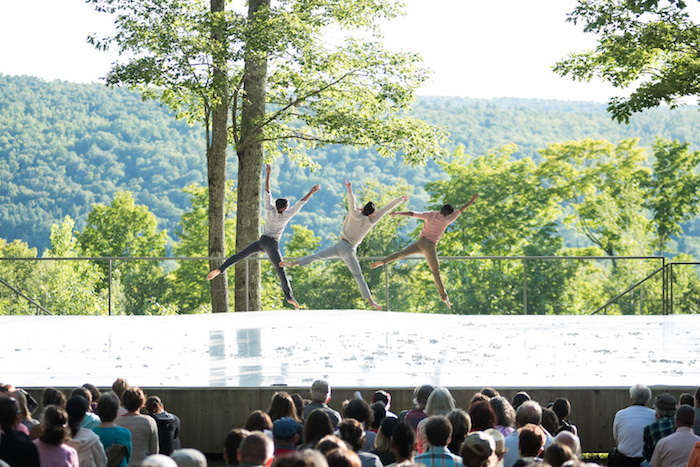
<point x="528" y="412"/>
<point x="440" y="402"/>
<point x="640" y="394"/>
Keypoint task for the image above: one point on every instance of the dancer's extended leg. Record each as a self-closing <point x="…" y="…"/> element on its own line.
<point x="250" y="250"/>
<point x="429" y="250"/>
<point x="271" y="247"/>
<point x="349" y="257"/>
<point x="411" y="249"/>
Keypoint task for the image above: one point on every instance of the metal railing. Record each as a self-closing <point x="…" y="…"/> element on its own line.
<point x="665" y="270"/>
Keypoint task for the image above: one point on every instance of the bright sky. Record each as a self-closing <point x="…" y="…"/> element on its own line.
<point x="475" y="48"/>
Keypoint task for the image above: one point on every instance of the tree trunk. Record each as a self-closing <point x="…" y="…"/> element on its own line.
<point x="250" y="160"/>
<point x="216" y="167"/>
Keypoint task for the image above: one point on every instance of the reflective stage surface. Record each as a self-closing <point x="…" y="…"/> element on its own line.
<point x="350" y="348"/>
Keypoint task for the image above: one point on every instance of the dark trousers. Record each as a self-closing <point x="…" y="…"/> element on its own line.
<point x="617" y="459"/>
<point x="271" y="247"/>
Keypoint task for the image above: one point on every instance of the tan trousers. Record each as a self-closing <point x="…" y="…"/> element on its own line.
<point x="428" y="249"/>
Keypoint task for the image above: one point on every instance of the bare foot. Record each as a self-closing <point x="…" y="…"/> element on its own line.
<point x="376" y="264"/>
<point x="287" y="264"/>
<point x="213" y="274"/>
<point x="293" y="302"/>
<point x="375" y="305"/>
<point x="447" y="302"/>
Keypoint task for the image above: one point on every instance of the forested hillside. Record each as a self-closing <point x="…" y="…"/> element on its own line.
<point x="66" y="146"/>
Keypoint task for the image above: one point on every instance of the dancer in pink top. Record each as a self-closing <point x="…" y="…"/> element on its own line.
<point x="433" y="229"/>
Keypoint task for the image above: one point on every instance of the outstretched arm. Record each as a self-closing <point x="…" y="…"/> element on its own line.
<point x="469" y="203"/>
<point x="379" y="213"/>
<point x="268" y="169"/>
<point x="351" y="196"/>
<point x="313" y="190"/>
<point x="402" y="213"/>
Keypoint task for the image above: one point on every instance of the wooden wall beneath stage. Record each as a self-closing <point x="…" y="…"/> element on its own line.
<point x="207" y="414"/>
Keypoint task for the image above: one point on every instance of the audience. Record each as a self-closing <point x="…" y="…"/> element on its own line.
<point x="557" y="454"/>
<point x="231" y="444"/>
<point x="91" y="419"/>
<point x="320" y="395"/>
<point x="696" y="428"/>
<point x="482" y="415"/>
<point x="529" y="412"/>
<point x="285" y="435"/>
<point x="168" y="425"/>
<point x="51" y="445"/>
<point x="403" y="444"/>
<point x="16" y="448"/>
<point x="118" y="387"/>
<point x="438" y="433"/>
<point x="91" y="453"/>
<point x="115" y="439"/>
<point x="479" y="450"/>
<point x="417" y="413"/>
<point x="382" y="442"/>
<point x="531" y="439"/>
<point x="505" y="415"/>
<point x="461" y="426"/>
<point x="674" y="450"/>
<point x="359" y="410"/>
<point x="664" y="425"/>
<point x="628" y="429"/>
<point x="440" y="402"/>
<point x="383" y="396"/>
<point x="143" y="429"/>
<point x="318" y="424"/>
<point x="352" y="432"/>
<point x="256" y="450"/>
<point x="562" y="409"/>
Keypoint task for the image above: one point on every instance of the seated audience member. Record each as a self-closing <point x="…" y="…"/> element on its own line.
<point x="353" y="433"/>
<point x="189" y="457"/>
<point x="438" y="433"/>
<point x="16" y="448"/>
<point x="91" y="453"/>
<point x="308" y="458"/>
<point x="320" y="395"/>
<point x="440" y="402"/>
<point x="359" y="410"/>
<point x="531" y="444"/>
<point x="26" y="419"/>
<point x="383" y="396"/>
<point x="417" y="413"/>
<point x="489" y="392"/>
<point x="674" y="450"/>
<point x="313" y="458"/>
<point x="478" y="397"/>
<point x="52" y="446"/>
<point x="505" y="415"/>
<point x="557" y="454"/>
<point x="168" y="425"/>
<point x="571" y="440"/>
<point x="628" y="429"/>
<point x="479" y="450"/>
<point x="500" y="445"/>
<point x="109" y="433"/>
<point x="529" y="412"/>
<point x="282" y="406"/>
<point x="403" y="444"/>
<point x="256" y="449"/>
<point x="696" y="428"/>
<point x="694" y="459"/>
<point x="461" y="426"/>
<point x="686" y="399"/>
<point x="519" y="398"/>
<point x="259" y="421"/>
<point x="118" y="387"/>
<point x="144" y="430"/>
<point x="95" y="395"/>
<point x="562" y="408"/>
<point x="329" y="443"/>
<point x="378" y="413"/>
<point x="232" y="442"/>
<point x="285" y="435"/>
<point x="299" y="405"/>
<point x="158" y="460"/>
<point x="50" y="396"/>
<point x="343" y="458"/>
<point x="550" y="423"/>
<point x="664" y="425"/>
<point x="382" y="443"/>
<point x="91" y="420"/>
<point x="318" y="424"/>
<point x="482" y="415"/>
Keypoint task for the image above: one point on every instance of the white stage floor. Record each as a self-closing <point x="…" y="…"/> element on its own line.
<point x="351" y="348"/>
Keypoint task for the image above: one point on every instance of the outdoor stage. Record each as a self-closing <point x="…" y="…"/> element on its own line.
<point x="350" y="348"/>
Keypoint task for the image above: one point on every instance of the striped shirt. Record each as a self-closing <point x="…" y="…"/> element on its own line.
<point x="439" y="456"/>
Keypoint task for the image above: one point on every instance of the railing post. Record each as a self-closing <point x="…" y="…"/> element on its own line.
<point x="664" y="288"/>
<point x="524" y="286"/>
<point x="386" y="286"/>
<point x="247" y="299"/>
<point x="109" y="287"/>
<point x="670" y="298"/>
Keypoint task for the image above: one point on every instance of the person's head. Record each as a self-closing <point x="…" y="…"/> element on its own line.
<point x="54" y="426"/>
<point x="232" y="441"/>
<point x="478" y="449"/>
<point x="403" y="441"/>
<point x="298" y="404"/>
<point x="447" y="209"/>
<point x="94" y="391"/>
<point x="505" y="414"/>
<point x="9" y="413"/>
<point x="282" y="405"/>
<point x="550" y="422"/>
<point x="119" y="386"/>
<point x="571" y="440"/>
<point x="76" y="407"/>
<point x="562" y="408"/>
<point x="665" y="405"/>
<point x="482" y="415"/>
<point x="256" y="448"/>
<point x="556" y="454"/>
<point x="479" y="397"/>
<point x="519" y="398"/>
<point x="154" y="405"/>
<point x="438" y="430"/>
<point x="461" y="423"/>
<point x="697" y="397"/>
<point x="317" y="425"/>
<point x="258" y="421"/>
<point x="158" y="460"/>
<point x="330" y="442"/>
<point x="313" y="458"/>
<point x="500" y="440"/>
<point x="640" y="394"/>
<point x="320" y="392"/>
<point x="22" y="403"/>
<point x="353" y="433"/>
<point x="686" y="399"/>
<point x="188" y="457"/>
<point x="108" y="407"/>
<point x="382" y="396"/>
<point x="489" y="392"/>
<point x="685" y="416"/>
<point x="368" y="208"/>
<point x="285" y="430"/>
<point x="421" y="394"/>
<point x="528" y="412"/>
<point x="53" y="396"/>
<point x="378" y="413"/>
<point x="292" y="459"/>
<point x="84" y="392"/>
<point x="382" y="442"/>
<point x="133" y="399"/>
<point x="281" y="204"/>
<point x="359" y="410"/>
<point x="440" y="402"/>
<point x="531" y="440"/>
<point x="343" y="458"/>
